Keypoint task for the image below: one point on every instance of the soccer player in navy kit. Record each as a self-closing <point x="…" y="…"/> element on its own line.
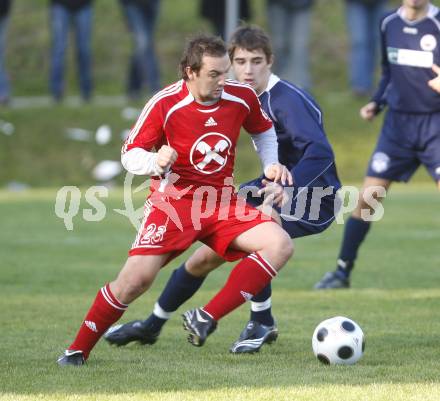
<point x="411" y="130"/>
<point x="303" y="148"/>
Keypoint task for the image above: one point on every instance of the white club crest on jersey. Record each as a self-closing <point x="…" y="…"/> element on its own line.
<point x="210" y="152"/>
<point x="380" y="162"/>
<point x="210" y="122"/>
<point x="428" y="42"/>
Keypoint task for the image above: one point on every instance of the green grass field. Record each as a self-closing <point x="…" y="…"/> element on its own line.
<point x="49" y="276"/>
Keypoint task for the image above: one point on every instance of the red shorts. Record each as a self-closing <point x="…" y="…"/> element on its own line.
<point x="173" y="225"/>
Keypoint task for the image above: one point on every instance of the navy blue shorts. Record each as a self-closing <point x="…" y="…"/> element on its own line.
<point x="406" y="141"/>
<point x="306" y="213"/>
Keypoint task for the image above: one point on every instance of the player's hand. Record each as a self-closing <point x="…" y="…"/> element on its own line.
<point x="273" y="193"/>
<point x="166" y="156"/>
<point x="368" y="112"/>
<point x="434" y="83"/>
<point x="271" y="212"/>
<point x="276" y="172"/>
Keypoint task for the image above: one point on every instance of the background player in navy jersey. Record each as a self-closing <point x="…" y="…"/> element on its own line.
<point x="303" y="148"/>
<point x="411" y="130"/>
<point x="198" y="163"/>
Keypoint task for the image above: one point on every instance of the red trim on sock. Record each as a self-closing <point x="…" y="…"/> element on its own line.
<point x="264" y="264"/>
<point x="203" y="309"/>
<point x="108" y="295"/>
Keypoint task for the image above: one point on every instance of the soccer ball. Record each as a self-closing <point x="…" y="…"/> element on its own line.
<point x="338" y="341"/>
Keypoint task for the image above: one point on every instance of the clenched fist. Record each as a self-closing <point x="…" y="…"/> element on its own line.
<point x="368" y="112"/>
<point x="166" y="156"/>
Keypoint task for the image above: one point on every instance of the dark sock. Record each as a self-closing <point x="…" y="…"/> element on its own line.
<point x="354" y="234"/>
<point x="263" y="316"/>
<point x="154" y="323"/>
<point x="180" y="287"/>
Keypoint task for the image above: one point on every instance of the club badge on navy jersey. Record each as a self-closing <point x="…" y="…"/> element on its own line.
<point x="428" y="42"/>
<point x="380" y="162"/>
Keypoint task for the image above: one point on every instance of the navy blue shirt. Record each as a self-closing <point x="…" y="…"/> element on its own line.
<point x="302" y="144"/>
<point x="409" y="48"/>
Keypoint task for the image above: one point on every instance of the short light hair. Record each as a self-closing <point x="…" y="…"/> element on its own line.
<point x="251" y="38"/>
<point x="197" y="47"/>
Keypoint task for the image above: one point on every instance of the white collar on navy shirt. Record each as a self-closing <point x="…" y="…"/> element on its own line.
<point x="273" y="80"/>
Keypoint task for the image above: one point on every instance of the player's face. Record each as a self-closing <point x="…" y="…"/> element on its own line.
<point x="415" y="4"/>
<point x="251" y="67"/>
<point x="208" y="83"/>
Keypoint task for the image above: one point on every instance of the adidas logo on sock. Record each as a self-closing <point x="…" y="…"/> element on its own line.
<point x="210" y="122"/>
<point x="91" y="325"/>
<point x="246" y="295"/>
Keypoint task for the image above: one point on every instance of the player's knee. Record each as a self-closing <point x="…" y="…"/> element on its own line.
<point x="361" y="205"/>
<point x="201" y="263"/>
<point x="367" y="204"/>
<point x="357" y="212"/>
<point x="197" y="268"/>
<point x="123" y="293"/>
<point x="129" y="286"/>
<point x="286" y="247"/>
<point x="132" y="291"/>
<point x="280" y="248"/>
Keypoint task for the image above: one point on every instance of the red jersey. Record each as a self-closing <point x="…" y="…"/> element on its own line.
<point x="204" y="137"/>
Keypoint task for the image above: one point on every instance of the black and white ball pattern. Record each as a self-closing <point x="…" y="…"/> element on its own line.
<point x="338" y="341"/>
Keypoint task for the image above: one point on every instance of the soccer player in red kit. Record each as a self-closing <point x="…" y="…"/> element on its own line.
<point x="195" y="124"/>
